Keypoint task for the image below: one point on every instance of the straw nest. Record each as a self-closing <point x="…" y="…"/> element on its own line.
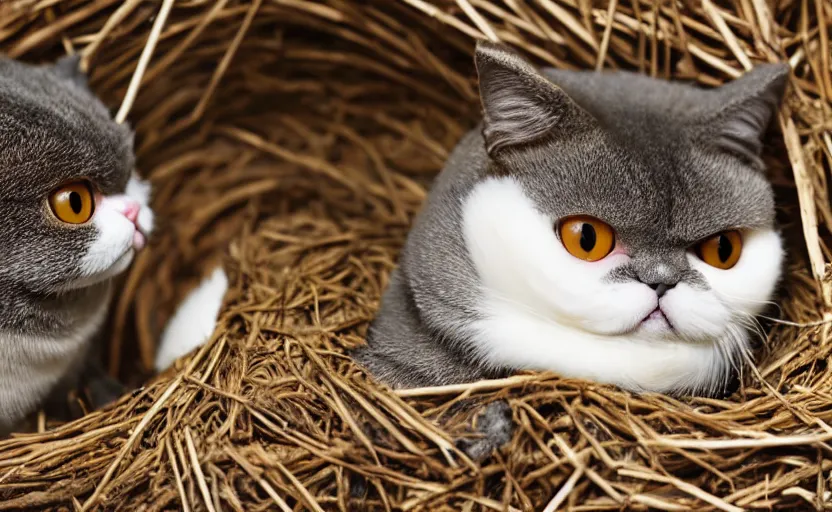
<point x="292" y="142"/>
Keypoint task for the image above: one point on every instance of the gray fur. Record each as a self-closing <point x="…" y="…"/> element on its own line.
<point x="665" y="164"/>
<point x="52" y="130"/>
<point x="494" y="426"/>
<point x="521" y="105"/>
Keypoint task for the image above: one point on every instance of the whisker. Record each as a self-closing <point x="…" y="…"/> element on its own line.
<point x="745" y="299"/>
<point x="798" y="324"/>
<point x="751" y="323"/>
<point x="744" y="352"/>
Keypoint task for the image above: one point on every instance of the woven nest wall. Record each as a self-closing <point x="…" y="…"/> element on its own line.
<point x="293" y="142"/>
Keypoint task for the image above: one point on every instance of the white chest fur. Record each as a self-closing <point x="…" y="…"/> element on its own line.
<point x="33" y="364"/>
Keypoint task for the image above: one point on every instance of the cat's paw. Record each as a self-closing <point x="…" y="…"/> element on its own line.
<point x="103" y="390"/>
<point x="495" y="427"/>
<point x="194" y="321"/>
<point x="98" y="388"/>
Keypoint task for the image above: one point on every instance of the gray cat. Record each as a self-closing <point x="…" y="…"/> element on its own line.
<point x="605" y="226"/>
<point x="72" y="216"/>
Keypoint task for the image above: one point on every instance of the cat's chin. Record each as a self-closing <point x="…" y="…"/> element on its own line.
<point x="656" y="324"/>
<point x="660" y="328"/>
<point x="119" y="266"/>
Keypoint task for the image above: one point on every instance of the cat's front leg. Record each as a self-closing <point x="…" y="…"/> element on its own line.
<point x="101" y="389"/>
<point x="403" y="352"/>
<point x="86" y="386"/>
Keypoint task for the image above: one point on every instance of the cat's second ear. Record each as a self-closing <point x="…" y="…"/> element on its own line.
<point x="743" y="111"/>
<point x="520" y="105"/>
<point x="69" y="68"/>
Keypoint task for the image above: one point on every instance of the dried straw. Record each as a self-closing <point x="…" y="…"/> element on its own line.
<point x="292" y="141"/>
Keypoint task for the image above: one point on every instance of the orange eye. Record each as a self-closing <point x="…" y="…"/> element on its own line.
<point x="587" y="238"/>
<point x="721" y="250"/>
<point x="73" y="203"/>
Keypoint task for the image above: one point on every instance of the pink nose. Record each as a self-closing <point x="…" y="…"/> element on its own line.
<point x="131" y="210"/>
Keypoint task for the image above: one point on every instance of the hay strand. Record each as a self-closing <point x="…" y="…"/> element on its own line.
<point x="292" y="142"/>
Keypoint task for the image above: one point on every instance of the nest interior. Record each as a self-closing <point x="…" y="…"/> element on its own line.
<point x="292" y="142"/>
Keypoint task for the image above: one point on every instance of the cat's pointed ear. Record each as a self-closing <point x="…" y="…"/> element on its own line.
<point x="69" y="68"/>
<point x="520" y="105"/>
<point x="744" y="109"/>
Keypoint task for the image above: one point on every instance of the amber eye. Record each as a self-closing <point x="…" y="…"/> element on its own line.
<point x="587" y="238"/>
<point x="73" y="203"/>
<point x="721" y="250"/>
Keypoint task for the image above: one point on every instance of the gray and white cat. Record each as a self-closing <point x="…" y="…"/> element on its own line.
<point x="72" y="216"/>
<point x="605" y="226"/>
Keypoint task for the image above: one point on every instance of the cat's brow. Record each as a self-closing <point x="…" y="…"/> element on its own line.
<point x="708" y="230"/>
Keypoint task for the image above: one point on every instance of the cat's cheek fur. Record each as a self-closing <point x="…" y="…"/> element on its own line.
<point x="521" y="262"/>
<point x="139" y="190"/>
<point x="112" y="250"/>
<point x="696" y="315"/>
<point x="546" y="310"/>
<point x="194" y="320"/>
<point x="113" y="247"/>
<point x="747" y="288"/>
<point x="509" y="336"/>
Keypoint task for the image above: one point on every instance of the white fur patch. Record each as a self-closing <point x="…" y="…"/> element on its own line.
<point x="114" y="247"/>
<point x="32" y="364"/>
<point x="747" y="288"/>
<point x="139" y="190"/>
<point x="114" y="243"/>
<point x="547" y="310"/>
<point x="194" y="321"/>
